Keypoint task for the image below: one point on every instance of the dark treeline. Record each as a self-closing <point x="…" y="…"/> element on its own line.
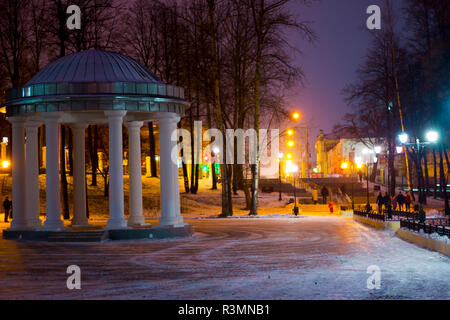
<point x="403" y="86"/>
<point x="232" y="57"/>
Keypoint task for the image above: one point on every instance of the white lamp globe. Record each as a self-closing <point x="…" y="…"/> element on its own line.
<point x="403" y="138"/>
<point x="432" y="136"/>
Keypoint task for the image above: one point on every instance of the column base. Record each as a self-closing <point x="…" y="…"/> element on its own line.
<point x="81" y="225"/>
<point x="21" y="227"/>
<point x="164" y="226"/>
<point x="137" y="223"/>
<point x="116" y="224"/>
<point x="35" y="224"/>
<point x="53" y="226"/>
<point x="176" y="223"/>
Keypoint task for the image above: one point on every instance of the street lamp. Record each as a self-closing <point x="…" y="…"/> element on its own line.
<point x="294" y="169"/>
<point x="345" y="166"/>
<point x="432" y="136"/>
<point x="280" y="157"/>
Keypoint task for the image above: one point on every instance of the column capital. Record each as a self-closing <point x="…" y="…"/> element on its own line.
<point x="79" y="125"/>
<point x="134" y="124"/>
<point x="170" y="116"/>
<point x="52" y="116"/>
<point x="33" y="124"/>
<point x="17" y="120"/>
<point x="115" y="113"/>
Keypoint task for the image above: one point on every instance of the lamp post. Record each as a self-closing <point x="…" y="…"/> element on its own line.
<point x="280" y="157"/>
<point x="294" y="169"/>
<point x="376" y="150"/>
<point x="432" y="137"/>
<point x="345" y="166"/>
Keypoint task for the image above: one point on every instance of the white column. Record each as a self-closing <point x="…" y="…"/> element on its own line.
<point x="170" y="192"/>
<point x="53" y="221"/>
<point x="116" y="206"/>
<point x="134" y="163"/>
<point x="32" y="175"/>
<point x="18" y="174"/>
<point x="79" y="176"/>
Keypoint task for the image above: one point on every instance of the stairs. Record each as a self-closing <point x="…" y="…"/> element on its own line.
<point x="78" y="236"/>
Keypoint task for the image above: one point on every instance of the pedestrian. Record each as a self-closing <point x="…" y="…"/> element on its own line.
<point x="380" y="202"/>
<point x="331" y="206"/>
<point x="7" y="208"/>
<point x="315" y="196"/>
<point x="394" y="203"/>
<point x="401" y="200"/>
<point x="408" y="202"/>
<point x="360" y="174"/>
<point x="387" y="200"/>
<point x="388" y="204"/>
<point x="325" y="194"/>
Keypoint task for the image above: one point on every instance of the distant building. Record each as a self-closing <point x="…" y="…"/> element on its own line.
<point x="338" y="147"/>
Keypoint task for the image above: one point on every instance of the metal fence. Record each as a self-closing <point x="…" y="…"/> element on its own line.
<point x="371" y="215"/>
<point x="427" y="228"/>
<point x="399" y="215"/>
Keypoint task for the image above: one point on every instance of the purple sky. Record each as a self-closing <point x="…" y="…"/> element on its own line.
<point x="331" y="63"/>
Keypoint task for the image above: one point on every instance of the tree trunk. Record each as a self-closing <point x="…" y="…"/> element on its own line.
<point x="442" y="151"/>
<point x="427" y="177"/>
<point x="62" y="162"/>
<point x="93" y="154"/>
<point x="106" y="185"/>
<point x="435" y="174"/>
<point x="151" y="138"/>
<point x="227" y="205"/>
<point x="183" y="164"/>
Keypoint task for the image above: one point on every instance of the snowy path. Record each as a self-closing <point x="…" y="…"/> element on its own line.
<point x="306" y="258"/>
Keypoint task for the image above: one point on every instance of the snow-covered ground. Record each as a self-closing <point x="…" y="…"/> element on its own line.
<point x="265" y="258"/>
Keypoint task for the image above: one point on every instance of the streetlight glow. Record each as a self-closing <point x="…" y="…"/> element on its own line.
<point x="432" y="136"/>
<point x="403" y="138"/>
<point x="290" y="132"/>
<point x="378" y="149"/>
<point x="292" y="169"/>
<point x="296" y="115"/>
<point x="5" y="164"/>
<point x="291" y="144"/>
<point x="399" y="150"/>
<point x="344" y="165"/>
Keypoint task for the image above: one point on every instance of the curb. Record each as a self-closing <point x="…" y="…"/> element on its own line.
<point x="392" y="225"/>
<point x="423" y="241"/>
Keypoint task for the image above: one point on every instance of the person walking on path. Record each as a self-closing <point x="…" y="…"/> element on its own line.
<point x="7" y="208"/>
<point x="315" y="196"/>
<point x="380" y="202"/>
<point x="401" y="200"/>
<point x="388" y="204"/>
<point x="325" y="194"/>
<point x="408" y="202"/>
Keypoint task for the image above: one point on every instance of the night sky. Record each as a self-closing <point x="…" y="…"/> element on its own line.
<point x="331" y="63"/>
